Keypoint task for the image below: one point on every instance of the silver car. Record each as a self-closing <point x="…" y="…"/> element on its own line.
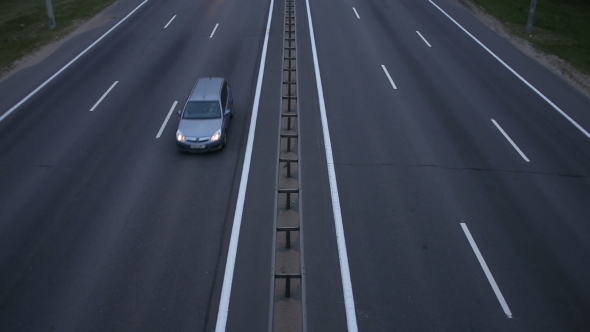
<point x="205" y="117"/>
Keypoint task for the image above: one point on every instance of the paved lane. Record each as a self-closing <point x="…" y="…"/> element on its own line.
<point x="103" y="226"/>
<point x="418" y="154"/>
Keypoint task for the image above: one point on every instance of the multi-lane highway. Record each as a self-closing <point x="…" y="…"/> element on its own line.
<point x="445" y="175"/>
<point x="104" y="226"/>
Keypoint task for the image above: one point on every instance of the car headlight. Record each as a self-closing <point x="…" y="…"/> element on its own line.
<point x="180" y="137"/>
<point x="216" y="136"/>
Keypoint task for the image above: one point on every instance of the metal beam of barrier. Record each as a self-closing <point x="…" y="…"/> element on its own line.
<point x="288" y="278"/>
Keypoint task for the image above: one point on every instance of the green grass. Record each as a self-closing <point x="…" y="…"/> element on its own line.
<point x="24" y="25"/>
<point x="561" y="27"/>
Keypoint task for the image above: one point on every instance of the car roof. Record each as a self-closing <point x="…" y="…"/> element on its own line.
<point x="207" y="89"/>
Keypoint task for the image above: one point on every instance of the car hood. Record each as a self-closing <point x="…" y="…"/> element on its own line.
<point x="199" y="127"/>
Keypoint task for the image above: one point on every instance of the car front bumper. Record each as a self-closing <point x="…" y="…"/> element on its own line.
<point x="195" y="147"/>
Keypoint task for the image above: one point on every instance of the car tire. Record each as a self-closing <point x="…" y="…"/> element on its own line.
<point x="224" y="141"/>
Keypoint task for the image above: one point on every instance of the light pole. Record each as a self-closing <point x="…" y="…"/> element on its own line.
<point x="529" y="24"/>
<point x="50" y="14"/>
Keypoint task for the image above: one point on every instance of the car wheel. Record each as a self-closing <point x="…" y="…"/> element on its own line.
<point x="224" y="141"/>
<point x="231" y="115"/>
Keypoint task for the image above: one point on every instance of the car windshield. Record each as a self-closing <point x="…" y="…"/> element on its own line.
<point x="202" y="110"/>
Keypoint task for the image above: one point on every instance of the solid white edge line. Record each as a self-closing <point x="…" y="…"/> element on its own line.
<point x="5" y="115"/>
<point x="172" y="19"/>
<point x="167" y="118"/>
<point x="342" y="253"/>
<point x="424" y="39"/>
<point x="235" y="233"/>
<point x="357" y="14"/>
<point x="487" y="272"/>
<point x="572" y="121"/>
<point x="212" y="33"/>
<point x="103" y="96"/>
<point x="511" y="142"/>
<point x="389" y="77"/>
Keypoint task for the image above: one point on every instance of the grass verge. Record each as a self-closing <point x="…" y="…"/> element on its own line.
<point x="561" y="27"/>
<point x="24" y="24"/>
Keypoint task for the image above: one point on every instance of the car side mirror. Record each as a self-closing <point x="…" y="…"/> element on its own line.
<point x="227" y="112"/>
<point x="179" y="112"/>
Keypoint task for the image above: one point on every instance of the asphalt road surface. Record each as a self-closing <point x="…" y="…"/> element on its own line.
<point x="462" y="168"/>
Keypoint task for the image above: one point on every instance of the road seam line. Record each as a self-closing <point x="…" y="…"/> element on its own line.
<point x="572" y="121"/>
<point x="67" y="65"/>
<point x="487" y="272"/>
<point x="167" y="118"/>
<point x="424" y="39"/>
<point x="357" y="14"/>
<point x="235" y="233"/>
<point x="511" y="141"/>
<point x="103" y="96"/>
<point x="389" y="77"/>
<point x="341" y="242"/>
<point x="172" y="19"/>
<point x="212" y="33"/>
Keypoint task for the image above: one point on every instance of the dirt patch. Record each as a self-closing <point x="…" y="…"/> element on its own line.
<point x="560" y="67"/>
<point x="42" y="53"/>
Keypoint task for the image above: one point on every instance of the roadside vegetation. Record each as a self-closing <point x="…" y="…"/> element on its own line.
<point x="24" y="24"/>
<point x="561" y="27"/>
